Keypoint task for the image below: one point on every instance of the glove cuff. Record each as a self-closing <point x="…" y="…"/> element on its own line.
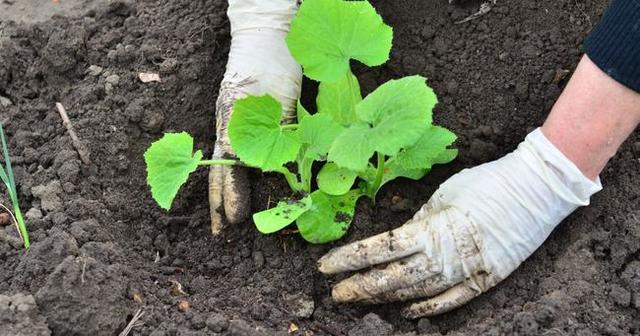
<point x="565" y="170"/>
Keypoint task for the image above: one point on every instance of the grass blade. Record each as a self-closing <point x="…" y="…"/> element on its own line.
<point x="6" y="174"/>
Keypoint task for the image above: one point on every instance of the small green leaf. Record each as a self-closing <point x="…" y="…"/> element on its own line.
<point x="256" y="136"/>
<point x="329" y="217"/>
<point x="352" y="149"/>
<point x="169" y="161"/>
<point x="318" y="131"/>
<point x="334" y="180"/>
<point x="326" y="34"/>
<point x="339" y="98"/>
<point x="428" y="149"/>
<point x="276" y="219"/>
<point x="399" y="112"/>
<point x="302" y="112"/>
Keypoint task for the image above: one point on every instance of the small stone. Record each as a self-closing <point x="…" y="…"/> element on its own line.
<point x="5" y="102"/>
<point x="636" y="147"/>
<point x="113" y="80"/>
<point x="33" y="214"/>
<point x="183" y="306"/>
<point x="217" y="323"/>
<point x="94" y="70"/>
<point x="300" y="305"/>
<point x="5" y="219"/>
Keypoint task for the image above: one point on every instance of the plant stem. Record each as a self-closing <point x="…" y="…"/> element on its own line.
<point x="21" y="226"/>
<point x="373" y="188"/>
<point x="305" y="174"/>
<point x="289" y="126"/>
<point x="291" y="178"/>
<point x="220" y="162"/>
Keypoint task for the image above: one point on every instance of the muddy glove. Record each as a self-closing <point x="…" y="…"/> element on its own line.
<point x="477" y="228"/>
<point x="259" y="63"/>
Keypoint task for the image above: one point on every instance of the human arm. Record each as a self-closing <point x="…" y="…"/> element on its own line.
<point x="259" y="63"/>
<point x="482" y="223"/>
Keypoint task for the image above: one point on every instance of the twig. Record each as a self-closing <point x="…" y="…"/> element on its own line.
<point x="132" y="324"/>
<point x="484" y="9"/>
<point x="82" y="151"/>
<point x="15" y="221"/>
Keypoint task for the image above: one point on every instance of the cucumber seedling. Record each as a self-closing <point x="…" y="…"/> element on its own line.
<point x="392" y="125"/>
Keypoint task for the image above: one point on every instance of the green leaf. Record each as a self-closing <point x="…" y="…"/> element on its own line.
<point x="329" y="217"/>
<point x="276" y="219"/>
<point x="256" y="136"/>
<point x="334" y="180"/>
<point x="428" y="149"/>
<point x="339" y="98"/>
<point x="352" y="149"/>
<point x="447" y="156"/>
<point x="318" y="131"/>
<point x="399" y="111"/>
<point x="169" y="161"/>
<point x="302" y="112"/>
<point x="326" y="34"/>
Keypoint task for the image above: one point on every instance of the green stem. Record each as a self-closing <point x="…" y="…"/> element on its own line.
<point x="373" y="188"/>
<point x="289" y="126"/>
<point x="291" y="178"/>
<point x="305" y="173"/>
<point x="22" y="226"/>
<point x="220" y="162"/>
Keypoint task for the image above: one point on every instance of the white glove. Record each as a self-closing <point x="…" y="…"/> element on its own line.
<point x="477" y="228"/>
<point x="259" y="63"/>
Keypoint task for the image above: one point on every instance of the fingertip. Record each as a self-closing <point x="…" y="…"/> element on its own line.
<point x="345" y="292"/>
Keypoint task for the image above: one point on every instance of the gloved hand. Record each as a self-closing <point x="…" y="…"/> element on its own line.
<point x="259" y="63"/>
<point x="477" y="228"/>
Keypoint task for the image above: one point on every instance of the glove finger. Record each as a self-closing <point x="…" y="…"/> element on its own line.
<point x="432" y="286"/>
<point x="382" y="248"/>
<point x="216" y="182"/>
<point x="369" y="285"/>
<point x="236" y="194"/>
<point x="449" y="300"/>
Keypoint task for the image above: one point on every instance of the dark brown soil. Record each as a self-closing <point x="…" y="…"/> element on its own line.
<point x="102" y="249"/>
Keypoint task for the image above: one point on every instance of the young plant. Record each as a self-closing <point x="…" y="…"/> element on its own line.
<point x="6" y="175"/>
<point x="392" y="125"/>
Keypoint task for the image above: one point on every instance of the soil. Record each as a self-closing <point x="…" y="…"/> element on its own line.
<point x="102" y="250"/>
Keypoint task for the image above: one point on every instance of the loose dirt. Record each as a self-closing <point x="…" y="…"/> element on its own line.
<point x="102" y="249"/>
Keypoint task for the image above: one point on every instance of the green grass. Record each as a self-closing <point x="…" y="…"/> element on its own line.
<point x="6" y="174"/>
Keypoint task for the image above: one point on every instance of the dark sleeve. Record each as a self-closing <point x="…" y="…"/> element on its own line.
<point x="614" y="45"/>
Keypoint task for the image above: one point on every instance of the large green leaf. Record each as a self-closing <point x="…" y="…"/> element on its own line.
<point x="169" y="161"/>
<point x="256" y="135"/>
<point x="326" y="34"/>
<point x="318" y="132"/>
<point x="399" y="111"/>
<point x="335" y="180"/>
<point x="339" y="98"/>
<point x="352" y="149"/>
<point x="276" y="219"/>
<point x="426" y="151"/>
<point x="329" y="217"/>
